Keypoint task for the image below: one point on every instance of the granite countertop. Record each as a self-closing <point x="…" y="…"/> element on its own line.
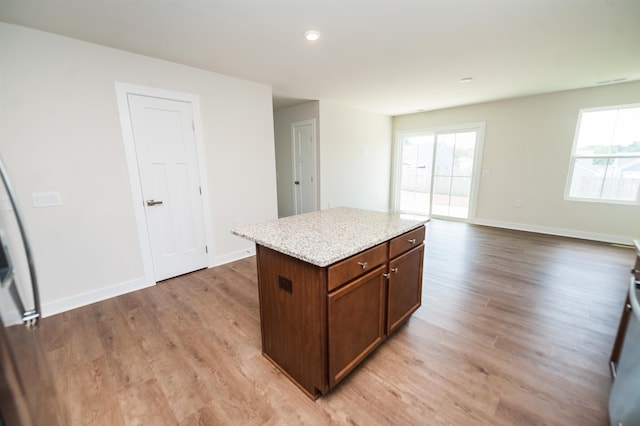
<point x="328" y="236"/>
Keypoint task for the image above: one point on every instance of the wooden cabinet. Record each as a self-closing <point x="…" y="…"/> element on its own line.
<point x="319" y="323"/>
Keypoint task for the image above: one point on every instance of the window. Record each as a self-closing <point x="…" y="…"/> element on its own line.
<point x="605" y="162"/>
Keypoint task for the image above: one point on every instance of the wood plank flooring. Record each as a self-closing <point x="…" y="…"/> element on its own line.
<point x="515" y="329"/>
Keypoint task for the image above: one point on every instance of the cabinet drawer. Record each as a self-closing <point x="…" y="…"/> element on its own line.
<point x="406" y="242"/>
<point x="356" y="265"/>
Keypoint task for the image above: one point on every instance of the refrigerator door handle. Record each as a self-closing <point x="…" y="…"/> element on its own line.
<point x="633" y="298"/>
<point x="30" y="317"/>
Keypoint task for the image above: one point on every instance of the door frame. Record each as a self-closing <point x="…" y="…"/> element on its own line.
<point x="122" y="92"/>
<point x="293" y="125"/>
<point x="478" y="127"/>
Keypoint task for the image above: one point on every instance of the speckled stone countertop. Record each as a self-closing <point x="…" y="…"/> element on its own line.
<point x="328" y="236"/>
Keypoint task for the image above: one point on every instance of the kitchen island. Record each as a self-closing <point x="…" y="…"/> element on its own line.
<point x="333" y="285"/>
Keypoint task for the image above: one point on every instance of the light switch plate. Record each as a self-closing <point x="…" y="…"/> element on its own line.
<point x="46" y="199"/>
<point x="5" y="203"/>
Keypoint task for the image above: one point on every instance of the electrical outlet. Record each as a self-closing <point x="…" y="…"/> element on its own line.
<point x="285" y="283"/>
<point x="518" y="203"/>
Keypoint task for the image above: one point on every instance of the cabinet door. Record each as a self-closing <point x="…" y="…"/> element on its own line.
<point x="405" y="287"/>
<point x="355" y="322"/>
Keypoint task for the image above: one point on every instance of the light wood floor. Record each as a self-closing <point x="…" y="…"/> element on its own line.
<point x="515" y="329"/>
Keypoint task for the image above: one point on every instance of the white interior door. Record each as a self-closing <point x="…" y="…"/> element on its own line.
<point x="164" y="140"/>
<point x="303" y="138"/>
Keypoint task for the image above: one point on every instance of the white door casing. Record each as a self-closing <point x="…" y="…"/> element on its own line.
<point x="303" y="150"/>
<point x="180" y="246"/>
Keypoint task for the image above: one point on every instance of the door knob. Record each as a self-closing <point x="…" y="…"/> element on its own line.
<point x="153" y="202"/>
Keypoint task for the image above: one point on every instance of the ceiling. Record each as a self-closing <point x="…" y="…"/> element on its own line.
<point x="387" y="56"/>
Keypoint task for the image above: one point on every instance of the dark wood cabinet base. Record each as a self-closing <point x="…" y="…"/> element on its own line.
<point x="319" y="323"/>
<point x="293" y="318"/>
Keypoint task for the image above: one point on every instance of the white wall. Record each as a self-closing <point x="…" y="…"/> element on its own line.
<point x="60" y="131"/>
<point x="527" y="149"/>
<point x="284" y="162"/>
<point x="355" y="158"/>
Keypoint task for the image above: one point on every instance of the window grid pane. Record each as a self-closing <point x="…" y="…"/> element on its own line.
<point x="606" y="178"/>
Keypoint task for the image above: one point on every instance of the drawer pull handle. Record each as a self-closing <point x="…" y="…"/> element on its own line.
<point x="386" y="275"/>
<point x="394" y="270"/>
<point x="363" y="264"/>
<point x="412" y="241"/>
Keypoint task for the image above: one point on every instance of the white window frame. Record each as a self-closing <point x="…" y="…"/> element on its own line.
<point x="574" y="157"/>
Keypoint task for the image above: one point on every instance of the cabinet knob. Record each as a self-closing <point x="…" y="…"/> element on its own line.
<point x="363" y="264"/>
<point x="412" y="241"/>
<point x="394" y="270"/>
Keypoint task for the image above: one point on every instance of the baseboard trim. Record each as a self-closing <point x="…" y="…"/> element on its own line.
<point x="561" y="232"/>
<point x="233" y="256"/>
<point x="83" y="299"/>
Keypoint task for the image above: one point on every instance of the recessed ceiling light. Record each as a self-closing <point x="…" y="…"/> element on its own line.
<point x="311" y="35"/>
<point x="466" y="80"/>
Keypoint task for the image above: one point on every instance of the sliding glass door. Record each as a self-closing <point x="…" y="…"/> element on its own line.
<point x="436" y="172"/>
<point x="416" y="173"/>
